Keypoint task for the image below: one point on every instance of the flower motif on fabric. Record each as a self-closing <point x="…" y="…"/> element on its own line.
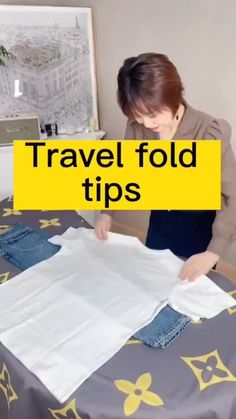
<point x="137" y="393"/>
<point x="67" y="412"/>
<point x="133" y="342"/>
<point x="54" y="222"/>
<point x="196" y="321"/>
<point x="4" y="277"/>
<point x="232" y="310"/>
<point x="9" y="211"/>
<point x="209" y="369"/>
<point x="4" y="228"/>
<point x="6" y="386"/>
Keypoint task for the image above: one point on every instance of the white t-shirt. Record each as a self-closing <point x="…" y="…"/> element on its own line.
<point x="69" y="314"/>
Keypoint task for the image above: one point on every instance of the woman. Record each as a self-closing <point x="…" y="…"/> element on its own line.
<point x="150" y="94"/>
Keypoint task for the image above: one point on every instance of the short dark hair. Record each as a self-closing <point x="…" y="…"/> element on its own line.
<point x="147" y="84"/>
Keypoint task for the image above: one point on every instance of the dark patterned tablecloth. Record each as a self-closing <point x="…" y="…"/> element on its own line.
<point x="195" y="378"/>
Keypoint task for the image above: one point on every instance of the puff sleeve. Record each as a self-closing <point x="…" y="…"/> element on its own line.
<point x="224" y="226"/>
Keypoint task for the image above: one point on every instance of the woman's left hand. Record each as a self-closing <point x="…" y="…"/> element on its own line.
<point x="197" y="265"/>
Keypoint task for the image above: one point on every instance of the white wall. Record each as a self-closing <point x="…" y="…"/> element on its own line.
<point x="198" y="36"/>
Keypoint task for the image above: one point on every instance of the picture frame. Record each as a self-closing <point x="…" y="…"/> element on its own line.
<point x="49" y="66"/>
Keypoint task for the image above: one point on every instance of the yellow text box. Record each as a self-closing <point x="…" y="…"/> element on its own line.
<point x="108" y="174"/>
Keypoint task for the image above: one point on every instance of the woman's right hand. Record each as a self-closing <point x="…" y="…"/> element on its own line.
<point x="102" y="226"/>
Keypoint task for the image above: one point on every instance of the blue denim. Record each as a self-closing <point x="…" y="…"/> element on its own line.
<point x="24" y="247"/>
<point x="164" y="329"/>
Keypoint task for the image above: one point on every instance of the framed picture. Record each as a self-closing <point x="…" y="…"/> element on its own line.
<point x="47" y="65"/>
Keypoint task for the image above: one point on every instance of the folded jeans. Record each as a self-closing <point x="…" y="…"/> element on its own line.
<point x="164" y="328"/>
<point x="24" y="247"/>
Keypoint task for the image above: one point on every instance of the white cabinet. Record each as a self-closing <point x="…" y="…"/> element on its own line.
<point x="6" y="169"/>
<point x="94" y="135"/>
<point x="6" y="172"/>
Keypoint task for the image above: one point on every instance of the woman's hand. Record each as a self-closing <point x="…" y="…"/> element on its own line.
<point x="102" y="226"/>
<point x="197" y="265"/>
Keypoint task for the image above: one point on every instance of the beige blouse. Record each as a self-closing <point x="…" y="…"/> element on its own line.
<point x="199" y="125"/>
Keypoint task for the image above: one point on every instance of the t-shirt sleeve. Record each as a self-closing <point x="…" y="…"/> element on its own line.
<point x="224" y="226"/>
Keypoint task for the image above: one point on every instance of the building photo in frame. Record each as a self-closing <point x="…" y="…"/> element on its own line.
<point x="47" y="65"/>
